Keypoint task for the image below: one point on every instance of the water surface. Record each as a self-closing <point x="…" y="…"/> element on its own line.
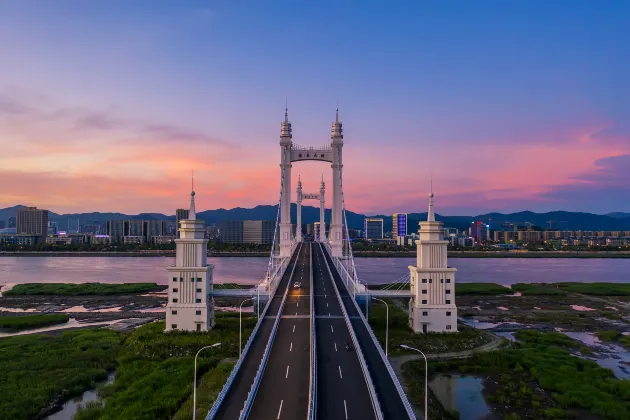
<point x="461" y="393"/>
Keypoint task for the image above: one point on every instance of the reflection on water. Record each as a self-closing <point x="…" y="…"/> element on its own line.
<point x="472" y="322"/>
<point x="70" y="408"/>
<point x="461" y="393"/>
<point x="509" y="335"/>
<point x="607" y="355"/>
<point x="72" y="323"/>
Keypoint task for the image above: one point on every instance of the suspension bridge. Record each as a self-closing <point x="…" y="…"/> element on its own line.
<point x="312" y="353"/>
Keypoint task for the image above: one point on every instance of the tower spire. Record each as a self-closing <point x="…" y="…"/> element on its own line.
<point x="431" y="214"/>
<point x="192" y="215"/>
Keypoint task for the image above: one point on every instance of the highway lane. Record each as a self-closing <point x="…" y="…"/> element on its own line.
<point x="234" y="401"/>
<point x="391" y="403"/>
<point x="342" y="392"/>
<point x="284" y="389"/>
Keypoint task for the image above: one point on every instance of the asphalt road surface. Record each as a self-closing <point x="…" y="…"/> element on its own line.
<point x="234" y="401"/>
<point x="342" y="392"/>
<point x="391" y="403"/>
<point x="284" y="389"/>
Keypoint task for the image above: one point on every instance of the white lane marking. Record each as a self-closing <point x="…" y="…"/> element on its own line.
<point x="327" y="304"/>
<point x="335" y="346"/>
<point x="345" y="407"/>
<point x="294" y="328"/>
<point x="328" y="313"/>
<point x="291" y="348"/>
<point x="296" y="314"/>
<point x="340" y="375"/>
<point x="298" y="303"/>
<point x="287" y="375"/>
<point x="331" y="329"/>
<point x="280" y="410"/>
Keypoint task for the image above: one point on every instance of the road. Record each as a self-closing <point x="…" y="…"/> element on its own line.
<point x="284" y="388"/>
<point x="391" y="403"/>
<point x="342" y="392"/>
<point x="234" y="401"/>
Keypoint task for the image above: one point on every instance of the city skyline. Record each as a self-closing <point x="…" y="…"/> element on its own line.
<point x="105" y="107"/>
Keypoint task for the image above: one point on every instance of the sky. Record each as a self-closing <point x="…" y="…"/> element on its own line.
<point x="107" y="105"/>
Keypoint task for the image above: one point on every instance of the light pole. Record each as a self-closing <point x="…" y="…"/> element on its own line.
<point x="386" y="322"/>
<point x="240" y="325"/>
<point x="426" y="380"/>
<point x="195" y="379"/>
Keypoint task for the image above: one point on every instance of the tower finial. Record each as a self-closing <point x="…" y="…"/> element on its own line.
<point x="286" y="109"/>
<point x="431" y="214"/>
<point x="337" y="112"/>
<point x="192" y="215"/>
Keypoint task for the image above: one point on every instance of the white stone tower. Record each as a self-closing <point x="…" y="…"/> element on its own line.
<point x="335" y="236"/>
<point x="298" y="228"/>
<point x="190" y="308"/>
<point x="286" y="143"/>
<point x="322" y="211"/>
<point x="432" y="306"/>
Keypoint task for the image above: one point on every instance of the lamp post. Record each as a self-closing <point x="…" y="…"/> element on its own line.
<point x="386" y="322"/>
<point x="426" y="380"/>
<point x="195" y="379"/>
<point x="240" y="325"/>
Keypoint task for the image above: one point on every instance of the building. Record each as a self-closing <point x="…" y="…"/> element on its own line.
<point x="432" y="305"/>
<point x="135" y="228"/>
<point x="116" y="231"/>
<point x="247" y="231"/>
<point x="12" y="222"/>
<point x="231" y="231"/>
<point x="154" y="228"/>
<point x="479" y="231"/>
<point x="190" y="307"/>
<point x="63" y="238"/>
<point x="163" y="240"/>
<point x="99" y="239"/>
<point x="53" y="228"/>
<point x="316" y="230"/>
<point x="23" y="240"/>
<point x="407" y="240"/>
<point x="373" y="229"/>
<point x="180" y="214"/>
<point x="32" y="221"/>
<point x="399" y="225"/>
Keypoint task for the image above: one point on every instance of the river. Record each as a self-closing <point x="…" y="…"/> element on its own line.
<point x="249" y="270"/>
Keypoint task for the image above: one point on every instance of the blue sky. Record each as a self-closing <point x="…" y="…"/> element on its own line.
<point x="511" y="105"/>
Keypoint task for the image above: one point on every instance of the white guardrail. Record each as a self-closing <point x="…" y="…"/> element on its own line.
<point x="263" y="362"/>
<point x="312" y="401"/>
<point x="397" y="384"/>
<point x="366" y="373"/>
<point x="221" y="396"/>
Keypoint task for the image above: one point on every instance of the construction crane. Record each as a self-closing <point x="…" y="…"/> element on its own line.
<point x="555" y="221"/>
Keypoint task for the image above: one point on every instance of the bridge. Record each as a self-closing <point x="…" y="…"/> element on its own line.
<point x="312" y="352"/>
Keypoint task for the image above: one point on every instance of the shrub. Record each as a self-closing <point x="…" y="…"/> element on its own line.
<point x="25" y="322"/>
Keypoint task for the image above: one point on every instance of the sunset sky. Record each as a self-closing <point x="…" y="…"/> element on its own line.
<point x="107" y="105"/>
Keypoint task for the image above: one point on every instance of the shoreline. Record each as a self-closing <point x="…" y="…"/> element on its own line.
<point x="357" y="254"/>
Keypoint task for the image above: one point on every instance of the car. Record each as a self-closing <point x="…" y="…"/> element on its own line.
<point x="297" y="284"/>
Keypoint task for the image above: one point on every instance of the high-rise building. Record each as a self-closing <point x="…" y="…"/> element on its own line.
<point x="12" y="222"/>
<point x="135" y="228"/>
<point x="190" y="306"/>
<point x="116" y="231"/>
<point x="231" y="231"/>
<point x="155" y="228"/>
<point x="316" y="230"/>
<point x="247" y="231"/>
<point x="32" y="221"/>
<point x="373" y="229"/>
<point x="399" y="225"/>
<point x="180" y="214"/>
<point x="432" y="305"/>
<point x="479" y="231"/>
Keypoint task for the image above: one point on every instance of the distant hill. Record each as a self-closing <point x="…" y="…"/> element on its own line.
<point x="561" y="220"/>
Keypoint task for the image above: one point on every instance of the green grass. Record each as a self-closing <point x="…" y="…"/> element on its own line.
<point x="541" y="360"/>
<point x="597" y="289"/>
<point x="208" y="389"/>
<point x="480" y="289"/>
<point x="82" y="289"/>
<point x="538" y="289"/>
<point x="26" y="322"/>
<point x="399" y="333"/>
<point x="610" y="335"/>
<point x="231" y="286"/>
<point x="37" y="370"/>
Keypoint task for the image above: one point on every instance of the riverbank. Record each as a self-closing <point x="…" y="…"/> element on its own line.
<point x="157" y="253"/>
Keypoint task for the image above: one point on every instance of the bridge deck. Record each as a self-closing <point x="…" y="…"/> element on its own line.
<point x="235" y="398"/>
<point x="391" y="403"/>
<point x="342" y="392"/>
<point x="283" y="391"/>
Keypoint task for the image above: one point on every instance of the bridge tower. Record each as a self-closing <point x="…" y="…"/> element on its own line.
<point x="189" y="307"/>
<point x="335" y="237"/>
<point x="298" y="200"/>
<point x="432" y="306"/>
<point x="322" y="211"/>
<point x="286" y="144"/>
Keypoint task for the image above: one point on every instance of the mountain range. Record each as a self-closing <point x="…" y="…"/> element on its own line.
<point x="561" y="220"/>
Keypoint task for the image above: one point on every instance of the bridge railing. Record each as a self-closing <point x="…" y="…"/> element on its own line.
<point x="263" y="361"/>
<point x="366" y="372"/>
<point x="390" y="370"/>
<point x="312" y="402"/>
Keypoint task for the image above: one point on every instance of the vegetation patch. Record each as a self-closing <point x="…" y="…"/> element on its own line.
<point x="82" y="289"/>
<point x="480" y="289"/>
<point x="466" y="338"/>
<point x="231" y="286"/>
<point x="614" y="337"/>
<point x="27" y="322"/>
<point x="538" y="289"/>
<point x="537" y="378"/>
<point x="597" y="289"/>
<point x="207" y="391"/>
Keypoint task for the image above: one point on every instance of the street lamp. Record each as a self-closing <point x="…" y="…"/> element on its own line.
<point x="195" y="379"/>
<point x="240" y="325"/>
<point x="386" y="322"/>
<point x="426" y="380"/>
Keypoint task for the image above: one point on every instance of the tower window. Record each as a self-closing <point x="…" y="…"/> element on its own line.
<point x="197" y="300"/>
<point x="441" y="280"/>
<point x="174" y="326"/>
<point x="448" y="280"/>
<point x="425" y="314"/>
<point x="424" y="302"/>
<point x="181" y="279"/>
<point x="174" y="278"/>
<point x="173" y="312"/>
<point x="198" y="290"/>
<point x="424" y="291"/>
<point x="197" y="312"/>
<point x="448" y="302"/>
<point x="424" y="280"/>
<point x="448" y="291"/>
<point x="174" y="300"/>
<point x="192" y="279"/>
<point x="430" y="280"/>
<point x="198" y="279"/>
<point x="448" y="314"/>
<point x="175" y="290"/>
<point x="448" y="327"/>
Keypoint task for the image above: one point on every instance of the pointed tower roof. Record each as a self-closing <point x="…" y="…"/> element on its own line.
<point x="192" y="214"/>
<point x="299" y="184"/>
<point x="431" y="214"/>
<point x="322" y="184"/>
<point x="336" y="133"/>
<point x="285" y="126"/>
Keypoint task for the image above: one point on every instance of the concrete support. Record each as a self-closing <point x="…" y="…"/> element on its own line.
<point x="286" y="142"/>
<point x="336" y="225"/>
<point x="298" y="229"/>
<point x="322" y="211"/>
